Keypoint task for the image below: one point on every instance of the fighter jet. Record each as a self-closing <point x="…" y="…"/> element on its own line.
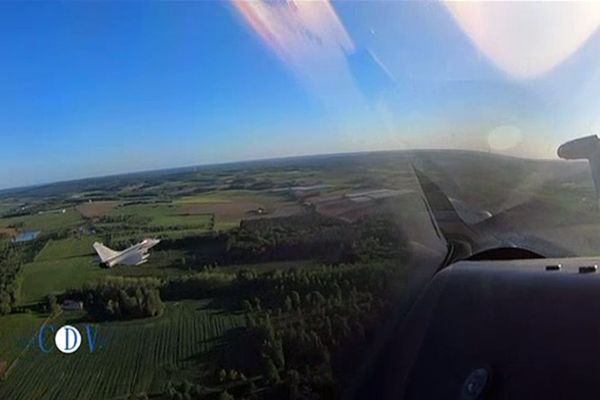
<point x="134" y="255"/>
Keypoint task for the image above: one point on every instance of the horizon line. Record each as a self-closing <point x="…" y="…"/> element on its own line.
<point x="4" y="190"/>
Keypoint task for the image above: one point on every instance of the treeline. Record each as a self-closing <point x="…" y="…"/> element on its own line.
<point x="116" y="298"/>
<point x="125" y="220"/>
<point x="313" y="235"/>
<point x="250" y="183"/>
<point x="308" y="236"/>
<point x="315" y="326"/>
<point x="123" y="231"/>
<point x="304" y="327"/>
<point x="201" y="285"/>
<point x="12" y="257"/>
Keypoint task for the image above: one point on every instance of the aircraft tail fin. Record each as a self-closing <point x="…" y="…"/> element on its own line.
<point x="587" y="147"/>
<point x="104" y="252"/>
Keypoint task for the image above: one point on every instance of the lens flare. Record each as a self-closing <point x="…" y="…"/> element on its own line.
<point x="295" y="30"/>
<point x="527" y="39"/>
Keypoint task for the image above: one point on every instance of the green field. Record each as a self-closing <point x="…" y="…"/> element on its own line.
<point x="140" y="234"/>
<point x="193" y="215"/>
<point x="66" y="248"/>
<point x="231" y="206"/>
<point x="229" y="196"/>
<point x="182" y="233"/>
<point x="139" y="357"/>
<point x="40" y="278"/>
<point x="44" y="222"/>
<point x="96" y="208"/>
<point x="7" y="205"/>
<point x="164" y="216"/>
<point x="15" y="330"/>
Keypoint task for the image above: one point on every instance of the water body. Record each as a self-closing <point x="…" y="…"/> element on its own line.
<point x="26" y="236"/>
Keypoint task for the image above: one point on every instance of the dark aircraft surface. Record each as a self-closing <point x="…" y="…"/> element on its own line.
<point x="498" y="320"/>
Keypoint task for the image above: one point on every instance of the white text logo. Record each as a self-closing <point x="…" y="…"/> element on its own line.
<point x="67" y="339"/>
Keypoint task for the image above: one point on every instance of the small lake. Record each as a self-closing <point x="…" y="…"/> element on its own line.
<point x="26" y="236"/>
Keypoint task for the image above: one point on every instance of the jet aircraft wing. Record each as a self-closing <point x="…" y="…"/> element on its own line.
<point x="500" y="326"/>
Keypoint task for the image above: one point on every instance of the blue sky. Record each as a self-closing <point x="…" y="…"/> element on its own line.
<point x="95" y="88"/>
